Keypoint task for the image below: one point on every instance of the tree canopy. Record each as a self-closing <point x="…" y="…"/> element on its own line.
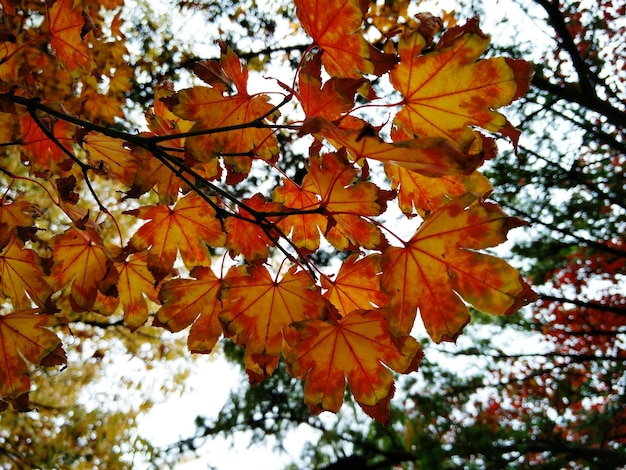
<point x="313" y="220"/>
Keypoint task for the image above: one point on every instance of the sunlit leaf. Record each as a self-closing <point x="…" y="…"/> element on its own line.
<point x="439" y="268"/>
<point x="357" y="348"/>
<point x="24" y="337"/>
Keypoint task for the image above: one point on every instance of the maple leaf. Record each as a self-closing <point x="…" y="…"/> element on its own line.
<point x="258" y="310"/>
<point x="113" y="154"/>
<point x="24" y="337"/>
<point x="357" y="347"/>
<point x="357" y="285"/>
<point x="304" y="227"/>
<point x="13" y="216"/>
<point x="134" y="284"/>
<point x="41" y="153"/>
<point x="439" y="265"/>
<point x="335" y="28"/>
<point x="190" y="227"/>
<point x="65" y="24"/>
<point x="244" y="235"/>
<point x="22" y="278"/>
<point x="331" y="100"/>
<point x="346" y="202"/>
<point x="193" y="302"/>
<point x="447" y="91"/>
<point x="80" y="258"/>
<point x="424" y="195"/>
<point x="211" y="110"/>
<point x="430" y="156"/>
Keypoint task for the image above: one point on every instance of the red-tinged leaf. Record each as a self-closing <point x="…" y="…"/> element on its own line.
<point x="448" y="91"/>
<point x="41" y="153"/>
<point x="24" y="337"/>
<point x="331" y="100"/>
<point x="336" y="29"/>
<point x="22" y="279"/>
<point x="423" y="195"/>
<point x="117" y="159"/>
<point x="259" y="308"/>
<point x="247" y="237"/>
<point x="304" y="227"/>
<point x="65" y="26"/>
<point x="430" y="156"/>
<point x="357" y="347"/>
<point x="440" y="266"/>
<point x="80" y="259"/>
<point x="357" y="285"/>
<point x="211" y="109"/>
<point x="135" y="283"/>
<point x="193" y="302"/>
<point x="190" y="227"/>
<point x="346" y="201"/>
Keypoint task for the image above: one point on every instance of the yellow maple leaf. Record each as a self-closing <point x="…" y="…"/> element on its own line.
<point x="448" y="91"/>
<point x="24" y="337"/>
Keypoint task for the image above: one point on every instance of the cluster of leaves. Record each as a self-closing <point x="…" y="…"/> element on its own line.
<point x="75" y="188"/>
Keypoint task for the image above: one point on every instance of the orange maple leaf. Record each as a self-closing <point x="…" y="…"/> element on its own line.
<point x="439" y="266"/>
<point x="22" y="278"/>
<point x="331" y="100"/>
<point x="448" y="91"/>
<point x="357" y="347"/>
<point x="24" y="337"/>
<point x="430" y="156"/>
<point x="336" y="29"/>
<point x="134" y="284"/>
<point x="345" y="201"/>
<point x="304" y="227"/>
<point x="193" y="302"/>
<point x="357" y="285"/>
<point x="111" y="156"/>
<point x="65" y="24"/>
<point x="245" y="236"/>
<point x="80" y="258"/>
<point x="212" y="110"/>
<point x="190" y="227"/>
<point x="258" y="310"/>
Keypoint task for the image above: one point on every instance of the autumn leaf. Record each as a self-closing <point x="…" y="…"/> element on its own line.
<point x="111" y="156"/>
<point x="80" y="259"/>
<point x="357" y="285"/>
<point x="40" y="152"/>
<point x="245" y="236"/>
<point x="22" y="279"/>
<point x="13" y="216"/>
<point x="357" y="347"/>
<point x="330" y="100"/>
<point x="65" y="26"/>
<point x="212" y="109"/>
<point x="448" y="91"/>
<point x="430" y="156"/>
<point x="304" y="227"/>
<point x="346" y="201"/>
<point x="134" y="284"/>
<point x="440" y="267"/>
<point x="423" y="195"/>
<point x="336" y="29"/>
<point x="24" y="337"/>
<point x="194" y="302"/>
<point x="190" y="227"/>
<point x="259" y="308"/>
